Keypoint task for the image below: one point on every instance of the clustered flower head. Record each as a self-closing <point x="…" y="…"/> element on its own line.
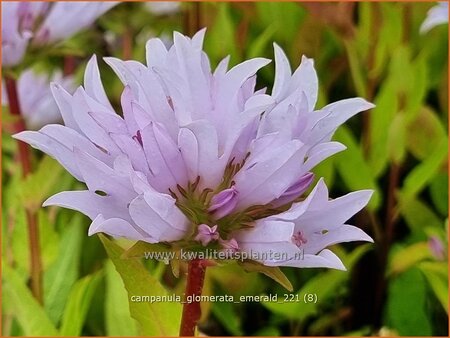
<point x="202" y="158"/>
<point x="36" y="101"/>
<point x="41" y="23"/>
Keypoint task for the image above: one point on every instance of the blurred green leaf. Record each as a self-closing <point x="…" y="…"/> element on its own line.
<point x="27" y="310"/>
<point x="425" y="131"/>
<point x="156" y="319"/>
<point x="324" y="285"/>
<point x="417" y="214"/>
<point x="390" y="36"/>
<point x="397" y="139"/>
<point x="352" y="159"/>
<point x="39" y="185"/>
<point x="19" y="244"/>
<point x="364" y="37"/>
<point x="284" y="17"/>
<point x="380" y="119"/>
<point x="78" y="303"/>
<point x="439" y="193"/>
<point x="270" y="331"/>
<point x="48" y="238"/>
<point x="422" y="174"/>
<point x="221" y="39"/>
<point x="326" y="169"/>
<point x="405" y="258"/>
<point x="63" y="273"/>
<point x="225" y="314"/>
<point x="406" y="310"/>
<point x="258" y="45"/>
<point x="117" y="311"/>
<point x="356" y="69"/>
<point x="139" y="249"/>
<point x="231" y="279"/>
<point x="436" y="274"/>
<point x="417" y="88"/>
<point x="273" y="272"/>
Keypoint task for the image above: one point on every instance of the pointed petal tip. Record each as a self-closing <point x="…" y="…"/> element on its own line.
<point x="49" y="201"/>
<point x="369" y="239"/>
<point x="96" y="224"/>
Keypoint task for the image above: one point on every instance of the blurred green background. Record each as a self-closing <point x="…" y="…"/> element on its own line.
<point x="397" y="286"/>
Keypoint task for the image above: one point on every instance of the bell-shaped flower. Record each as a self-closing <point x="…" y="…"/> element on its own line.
<point x="299" y="237"/>
<point x="41" y="23"/>
<point x="37" y="105"/>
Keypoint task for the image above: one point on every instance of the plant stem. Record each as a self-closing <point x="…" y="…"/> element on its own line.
<point x="69" y="65"/>
<point x="25" y="161"/>
<point x="19" y="125"/>
<point x="127" y="44"/>
<point x="194" y="285"/>
<point x="193" y="18"/>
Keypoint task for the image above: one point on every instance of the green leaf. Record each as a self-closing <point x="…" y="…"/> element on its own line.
<point x="406" y="305"/>
<point x="258" y="45"/>
<point x="326" y="169"/>
<point x="352" y="159"/>
<point x="118" y="319"/>
<point x="439" y="193"/>
<point x="417" y="214"/>
<point x="221" y="39"/>
<point x="422" y="174"/>
<point x="63" y="273"/>
<point x="30" y="315"/>
<point x="270" y="271"/>
<point x="390" y="35"/>
<point x="405" y="258"/>
<point x="424" y="132"/>
<point x="380" y="119"/>
<point x="156" y="319"/>
<point x="139" y="249"/>
<point x="436" y="274"/>
<point x="285" y="17"/>
<point x="79" y="301"/>
<point x="417" y="89"/>
<point x="396" y="139"/>
<point x="39" y="185"/>
<point x="48" y="238"/>
<point x="356" y="70"/>
<point x="225" y="314"/>
<point x="324" y="285"/>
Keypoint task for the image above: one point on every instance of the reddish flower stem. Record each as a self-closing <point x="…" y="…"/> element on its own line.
<point x="25" y="161"/>
<point x="194" y="285"/>
<point x="19" y="125"/>
<point x="70" y="64"/>
<point x="127" y="44"/>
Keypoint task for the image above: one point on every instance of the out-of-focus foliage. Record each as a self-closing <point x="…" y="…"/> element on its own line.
<point x="398" y="285"/>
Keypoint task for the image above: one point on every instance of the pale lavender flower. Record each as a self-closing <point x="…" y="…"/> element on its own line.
<point x="206" y="234"/>
<point x="197" y="148"/>
<point x="224" y="202"/>
<point x="437" y="15"/>
<point x="229" y="245"/>
<point x="41" y="23"/>
<point x="437" y="247"/>
<point x="295" y="190"/>
<point x="36" y="101"/>
<point x="304" y="231"/>
<point x="162" y="7"/>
